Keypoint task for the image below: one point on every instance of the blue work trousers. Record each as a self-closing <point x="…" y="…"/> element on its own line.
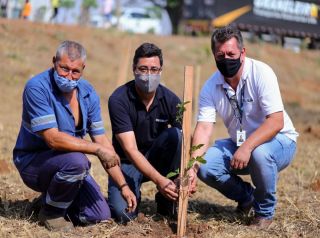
<point x="63" y="179"/>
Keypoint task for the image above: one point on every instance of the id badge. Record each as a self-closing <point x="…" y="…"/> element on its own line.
<point x="241" y="137"/>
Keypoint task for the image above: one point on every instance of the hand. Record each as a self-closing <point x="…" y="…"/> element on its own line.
<point x="131" y="199"/>
<point x="108" y="157"/>
<point x="192" y="173"/>
<point x="241" y="158"/>
<point x="168" y="189"/>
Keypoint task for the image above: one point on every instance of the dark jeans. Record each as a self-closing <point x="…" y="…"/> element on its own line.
<point x="66" y="185"/>
<point x="164" y="156"/>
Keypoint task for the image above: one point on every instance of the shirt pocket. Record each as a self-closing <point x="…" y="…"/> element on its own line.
<point x="161" y="123"/>
<point x="249" y="106"/>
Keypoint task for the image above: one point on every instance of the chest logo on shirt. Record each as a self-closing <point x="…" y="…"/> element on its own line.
<point x="161" y="120"/>
<point x="247" y="100"/>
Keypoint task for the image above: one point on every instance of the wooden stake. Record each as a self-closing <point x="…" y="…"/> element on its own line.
<point x="185" y="151"/>
<point x="124" y="63"/>
<point x="196" y="93"/>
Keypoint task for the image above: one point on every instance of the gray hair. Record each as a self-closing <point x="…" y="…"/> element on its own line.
<point x="224" y="34"/>
<point x="72" y="49"/>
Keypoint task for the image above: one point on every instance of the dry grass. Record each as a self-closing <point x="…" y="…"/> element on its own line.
<point x="26" y="49"/>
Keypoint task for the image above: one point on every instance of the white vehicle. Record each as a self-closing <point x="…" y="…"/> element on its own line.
<point x="140" y="20"/>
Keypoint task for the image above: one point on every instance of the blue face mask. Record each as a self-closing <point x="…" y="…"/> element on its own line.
<point x="64" y="84"/>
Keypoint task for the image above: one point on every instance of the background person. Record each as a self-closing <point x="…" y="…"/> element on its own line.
<point x="26" y="10"/>
<point x="59" y="109"/>
<point x="245" y="93"/>
<point x="55" y="6"/>
<point x="146" y="134"/>
<point x="3" y="7"/>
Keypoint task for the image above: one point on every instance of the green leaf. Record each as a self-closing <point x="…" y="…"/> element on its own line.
<point x="172" y="174"/>
<point x="201" y="160"/>
<point x="196" y="147"/>
<point x="181" y="109"/>
<point x="190" y="163"/>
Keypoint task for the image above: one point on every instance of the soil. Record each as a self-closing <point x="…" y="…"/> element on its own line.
<point x="27" y="48"/>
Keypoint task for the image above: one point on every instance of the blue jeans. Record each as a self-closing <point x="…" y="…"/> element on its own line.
<point x="265" y="163"/>
<point x="163" y="155"/>
<point x="66" y="185"/>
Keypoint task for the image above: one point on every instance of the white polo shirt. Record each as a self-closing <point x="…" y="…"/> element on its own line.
<point x="261" y="97"/>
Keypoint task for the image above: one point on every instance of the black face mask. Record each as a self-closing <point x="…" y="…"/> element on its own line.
<point x="228" y="67"/>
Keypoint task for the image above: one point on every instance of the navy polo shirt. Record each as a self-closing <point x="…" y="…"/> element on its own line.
<point x="45" y="107"/>
<point x="128" y="113"/>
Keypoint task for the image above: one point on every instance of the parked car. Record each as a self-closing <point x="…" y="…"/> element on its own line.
<point x="138" y="20"/>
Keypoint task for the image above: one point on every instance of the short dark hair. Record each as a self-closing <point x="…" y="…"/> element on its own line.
<point x="147" y="50"/>
<point x="224" y="34"/>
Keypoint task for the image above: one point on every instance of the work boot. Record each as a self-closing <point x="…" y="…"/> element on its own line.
<point x="54" y="221"/>
<point x="245" y="209"/>
<point x="35" y="206"/>
<point x="166" y="207"/>
<point x="260" y="223"/>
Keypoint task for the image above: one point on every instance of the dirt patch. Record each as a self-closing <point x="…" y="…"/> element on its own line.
<point x="315" y="186"/>
<point x="5" y="168"/>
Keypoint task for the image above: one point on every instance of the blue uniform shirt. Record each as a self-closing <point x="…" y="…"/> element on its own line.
<point x="128" y="113"/>
<point x="45" y="107"/>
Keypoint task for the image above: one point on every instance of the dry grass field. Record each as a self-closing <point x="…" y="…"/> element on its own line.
<point x="27" y="49"/>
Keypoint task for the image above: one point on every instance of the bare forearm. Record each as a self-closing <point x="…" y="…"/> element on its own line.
<point x="268" y="130"/>
<point x="144" y="166"/>
<point x="117" y="176"/>
<point x="202" y="135"/>
<point x="100" y="146"/>
<point x="64" y="142"/>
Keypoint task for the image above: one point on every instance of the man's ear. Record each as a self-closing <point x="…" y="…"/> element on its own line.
<point x="244" y="51"/>
<point x="53" y="59"/>
<point x="83" y="66"/>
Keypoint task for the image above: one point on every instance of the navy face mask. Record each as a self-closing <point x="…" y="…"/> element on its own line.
<point x="228" y="67"/>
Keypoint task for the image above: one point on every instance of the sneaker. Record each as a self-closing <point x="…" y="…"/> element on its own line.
<point x="260" y="223"/>
<point x="166" y="207"/>
<point x="54" y="221"/>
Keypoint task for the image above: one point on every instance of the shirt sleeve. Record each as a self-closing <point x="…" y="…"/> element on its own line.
<point x="95" y="126"/>
<point x="39" y="115"/>
<point x="207" y="109"/>
<point x="119" y="113"/>
<point x="269" y="92"/>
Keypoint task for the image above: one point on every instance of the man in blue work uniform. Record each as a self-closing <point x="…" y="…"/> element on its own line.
<point x="146" y="135"/>
<point x="59" y="108"/>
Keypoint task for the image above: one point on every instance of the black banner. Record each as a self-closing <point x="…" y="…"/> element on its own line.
<point x="282" y="17"/>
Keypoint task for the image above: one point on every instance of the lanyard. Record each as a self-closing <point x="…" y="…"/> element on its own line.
<point x="237" y="109"/>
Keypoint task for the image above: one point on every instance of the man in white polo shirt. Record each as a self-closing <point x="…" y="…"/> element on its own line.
<point x="245" y="93"/>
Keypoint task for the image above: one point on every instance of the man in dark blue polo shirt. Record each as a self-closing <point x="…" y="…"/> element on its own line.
<point x="146" y="135"/>
<point x="59" y="108"/>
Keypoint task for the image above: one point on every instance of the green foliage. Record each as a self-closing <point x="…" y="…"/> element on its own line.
<point x="155" y="10"/>
<point x="195" y="147"/>
<point x="173" y="174"/>
<point x="89" y="3"/>
<point x="199" y="159"/>
<point x="181" y="109"/>
<point x="67" y="3"/>
<point x="173" y="3"/>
